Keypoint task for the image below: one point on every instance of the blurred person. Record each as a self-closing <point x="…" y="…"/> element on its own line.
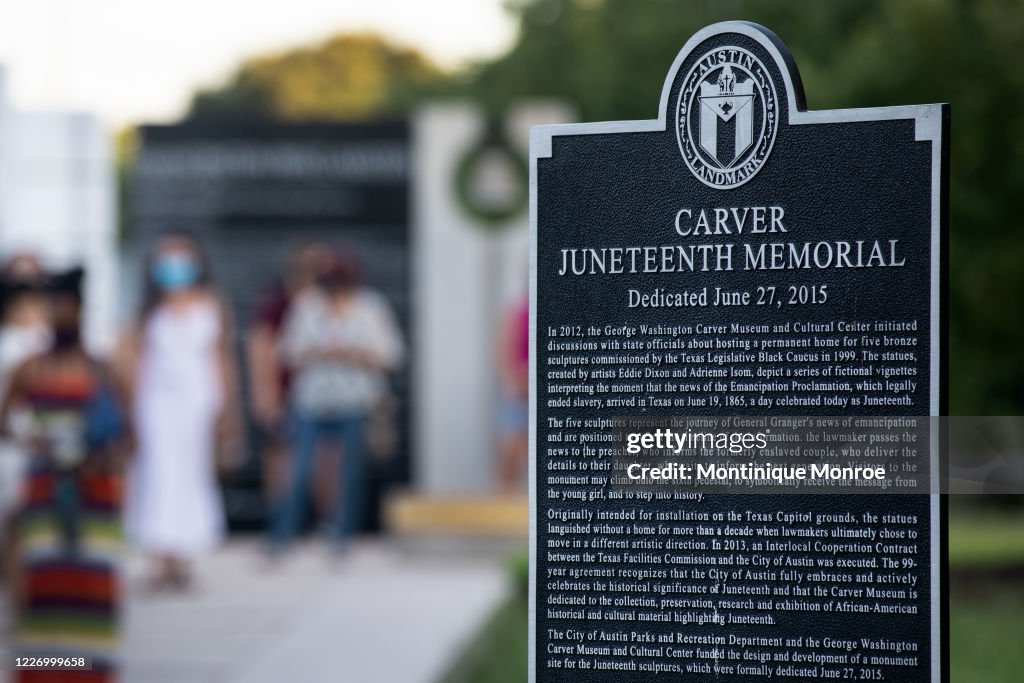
<point x="270" y="376"/>
<point x="24" y="332"/>
<point x="179" y="362"/>
<point x="68" y="526"/>
<point x="341" y="341"/>
<point x="513" y="416"/>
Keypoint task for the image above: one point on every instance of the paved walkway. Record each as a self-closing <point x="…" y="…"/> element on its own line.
<point x="379" y="615"/>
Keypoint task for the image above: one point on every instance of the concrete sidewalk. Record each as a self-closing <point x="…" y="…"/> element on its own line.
<point x="378" y="615"/>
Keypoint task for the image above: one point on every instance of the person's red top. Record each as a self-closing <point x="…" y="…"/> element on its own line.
<point x="271" y="313"/>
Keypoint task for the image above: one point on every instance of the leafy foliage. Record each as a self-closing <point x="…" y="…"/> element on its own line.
<point x="349" y="77"/>
<point x="609" y="57"/>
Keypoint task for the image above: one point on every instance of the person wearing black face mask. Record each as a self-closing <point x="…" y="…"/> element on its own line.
<point x="68" y="526"/>
<point x="67" y="335"/>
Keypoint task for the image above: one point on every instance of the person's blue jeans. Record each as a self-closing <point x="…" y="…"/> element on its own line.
<point x="307" y="433"/>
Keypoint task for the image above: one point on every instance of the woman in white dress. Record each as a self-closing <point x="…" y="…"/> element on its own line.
<point x="179" y="361"/>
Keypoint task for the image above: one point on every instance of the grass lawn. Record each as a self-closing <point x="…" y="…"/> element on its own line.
<point x="986" y="634"/>
<point x="986" y="629"/>
<point x="499" y="653"/>
<point x="986" y="541"/>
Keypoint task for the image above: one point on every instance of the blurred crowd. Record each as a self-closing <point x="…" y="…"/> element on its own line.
<point x="97" y="455"/>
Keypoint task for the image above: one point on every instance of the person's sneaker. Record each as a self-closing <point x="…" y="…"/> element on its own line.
<point x="154" y="584"/>
<point x="6" y="622"/>
<point x="338" y="552"/>
<point x="273" y="554"/>
<point x="181" y="581"/>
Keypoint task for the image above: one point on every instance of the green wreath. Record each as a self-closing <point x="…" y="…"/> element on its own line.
<point x="489" y="215"/>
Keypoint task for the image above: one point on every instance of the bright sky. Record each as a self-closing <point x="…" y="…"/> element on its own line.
<point x="140" y="60"/>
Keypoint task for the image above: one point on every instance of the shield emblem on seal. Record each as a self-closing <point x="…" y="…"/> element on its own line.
<point x="726" y="117"/>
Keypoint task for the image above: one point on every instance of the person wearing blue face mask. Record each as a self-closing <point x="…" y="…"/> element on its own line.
<point x="179" y="360"/>
<point x="175" y="271"/>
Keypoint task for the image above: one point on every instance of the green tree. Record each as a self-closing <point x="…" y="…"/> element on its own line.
<point x="346" y="78"/>
<point x="609" y="57"/>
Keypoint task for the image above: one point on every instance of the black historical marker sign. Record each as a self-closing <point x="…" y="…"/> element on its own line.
<point x="737" y="256"/>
